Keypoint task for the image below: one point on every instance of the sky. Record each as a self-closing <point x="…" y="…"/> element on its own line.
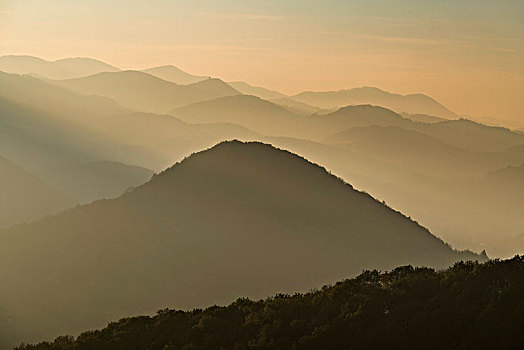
<point x="467" y="54"/>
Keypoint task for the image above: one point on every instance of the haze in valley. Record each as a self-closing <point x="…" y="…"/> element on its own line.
<point x="186" y="154"/>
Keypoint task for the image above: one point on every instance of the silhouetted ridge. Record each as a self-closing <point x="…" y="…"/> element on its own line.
<point x="260" y="154"/>
<point x="261" y="92"/>
<point x="368" y="109"/>
<point x="412" y="103"/>
<point x="145" y="92"/>
<point x="174" y="74"/>
<point x="249" y="111"/>
<point x="239" y="219"/>
<point x="60" y="69"/>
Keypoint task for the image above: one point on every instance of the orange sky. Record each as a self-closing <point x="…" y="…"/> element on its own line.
<point x="468" y="55"/>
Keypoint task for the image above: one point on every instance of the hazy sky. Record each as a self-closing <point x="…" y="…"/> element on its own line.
<point x="468" y="54"/>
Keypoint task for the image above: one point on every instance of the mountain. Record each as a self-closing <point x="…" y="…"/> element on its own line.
<point x="258" y="91"/>
<point x="43" y="125"/>
<point x="270" y="119"/>
<point x="460" y="133"/>
<point x="94" y="180"/>
<point x="66" y="68"/>
<point x="174" y="75"/>
<point x="251" y="112"/>
<point x="56" y="135"/>
<point x="472" y="136"/>
<point x="362" y="171"/>
<point x="505" y="187"/>
<point x="515" y="125"/>
<point x="375" y="310"/>
<point x="412" y="150"/>
<point x="424" y="118"/>
<point x="240" y="219"/>
<point x="208" y="89"/>
<point x="363" y="115"/>
<point x="50" y="99"/>
<point x="413" y="103"/>
<point x="33" y="66"/>
<point x="168" y="138"/>
<point x="143" y="92"/>
<point x="298" y="107"/>
<point x="25" y="197"/>
<point x="178" y="76"/>
<point x="464" y="208"/>
<point x="83" y="66"/>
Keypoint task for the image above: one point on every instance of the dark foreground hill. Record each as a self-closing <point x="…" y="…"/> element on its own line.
<point x="240" y="219"/>
<point x="468" y="306"/>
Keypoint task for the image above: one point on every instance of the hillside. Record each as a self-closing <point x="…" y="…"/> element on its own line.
<point x="50" y="99"/>
<point x="424" y="118"/>
<point x="33" y="66"/>
<point x="459" y="133"/>
<point x="413" y="103"/>
<point x="447" y="204"/>
<point x="168" y="138"/>
<point x="258" y="91"/>
<point x="94" y="180"/>
<point x="35" y="139"/>
<point x="251" y="112"/>
<point x="174" y="75"/>
<point x="178" y="76"/>
<point x="298" y="107"/>
<point x="178" y="240"/>
<point x="26" y="197"/>
<point x="83" y="66"/>
<point x="44" y="126"/>
<point x="406" y="308"/>
<point x="271" y="119"/>
<point x="502" y="190"/>
<point x="66" y="68"/>
<point x="363" y="115"/>
<point x="144" y="92"/>
<point x="472" y="136"/>
<point x="412" y="150"/>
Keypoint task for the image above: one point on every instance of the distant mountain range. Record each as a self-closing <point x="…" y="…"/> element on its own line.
<point x="45" y="127"/>
<point x="240" y="219"/>
<point x="144" y="92"/>
<point x="413" y="103"/>
<point x="271" y="119"/>
<point x="261" y="92"/>
<point x="66" y="68"/>
<point x="174" y="75"/>
<point x="86" y="147"/>
<point x="251" y="112"/>
<point x="70" y="68"/>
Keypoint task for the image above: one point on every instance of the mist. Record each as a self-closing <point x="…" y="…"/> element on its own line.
<point x="265" y="176"/>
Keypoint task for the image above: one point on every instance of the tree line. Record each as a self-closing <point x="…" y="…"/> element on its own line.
<point x="470" y="305"/>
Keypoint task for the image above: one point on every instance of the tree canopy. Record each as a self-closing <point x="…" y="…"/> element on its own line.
<point x="471" y="305"/>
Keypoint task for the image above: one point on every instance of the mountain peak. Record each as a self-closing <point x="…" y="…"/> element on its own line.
<point x="214" y="84"/>
<point x="412" y="103"/>
<point x="272" y="210"/>
<point x="174" y="74"/>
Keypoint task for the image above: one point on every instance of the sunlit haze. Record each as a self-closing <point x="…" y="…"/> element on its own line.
<point x="467" y="55"/>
